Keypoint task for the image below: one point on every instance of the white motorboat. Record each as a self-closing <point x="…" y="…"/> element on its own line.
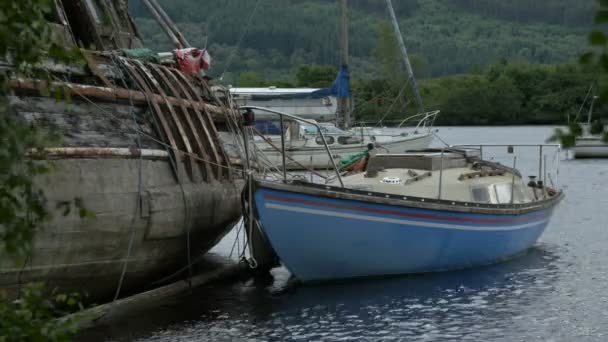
<point x="305" y="149"/>
<point x="592" y="143"/>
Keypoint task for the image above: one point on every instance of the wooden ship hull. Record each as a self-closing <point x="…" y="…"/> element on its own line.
<point x="141" y="149"/>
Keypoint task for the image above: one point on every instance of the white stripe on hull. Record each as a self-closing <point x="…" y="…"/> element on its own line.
<point x="399" y="221"/>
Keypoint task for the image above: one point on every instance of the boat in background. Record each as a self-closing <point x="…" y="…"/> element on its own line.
<point x="593" y="143"/>
<point x="304" y="149"/>
<point x="303" y="145"/>
<point x="424" y="211"/>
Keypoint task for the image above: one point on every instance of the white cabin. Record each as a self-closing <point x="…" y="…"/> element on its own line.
<point x="294" y="101"/>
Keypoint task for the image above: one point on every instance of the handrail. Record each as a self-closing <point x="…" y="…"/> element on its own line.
<point x="427" y="115"/>
<point x="293" y="117"/>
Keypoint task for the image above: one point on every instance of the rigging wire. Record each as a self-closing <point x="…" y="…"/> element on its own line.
<point x="392" y="104"/>
<point x="139" y="191"/>
<point x="239" y="41"/>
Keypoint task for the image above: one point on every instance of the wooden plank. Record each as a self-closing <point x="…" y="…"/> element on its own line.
<point x="207" y="122"/>
<point x="190" y="161"/>
<point x="112" y="94"/>
<point x="166" y="130"/>
<point x="191" y="126"/>
<point x="211" y="143"/>
<point x="92" y="64"/>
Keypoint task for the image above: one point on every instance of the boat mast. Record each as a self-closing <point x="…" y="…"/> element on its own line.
<point x="166" y="24"/>
<point x="344" y="102"/>
<point x="591" y="110"/>
<point x="406" y="59"/>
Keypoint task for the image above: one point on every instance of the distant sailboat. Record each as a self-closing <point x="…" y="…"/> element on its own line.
<point x="592" y="142"/>
<point x="304" y="148"/>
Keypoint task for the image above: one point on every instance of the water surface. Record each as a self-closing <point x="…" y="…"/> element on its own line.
<point x="557" y="291"/>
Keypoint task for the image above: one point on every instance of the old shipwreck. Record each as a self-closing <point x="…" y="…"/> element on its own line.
<point x="141" y="148"/>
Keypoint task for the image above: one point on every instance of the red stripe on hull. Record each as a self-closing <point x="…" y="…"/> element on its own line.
<point x="403" y="214"/>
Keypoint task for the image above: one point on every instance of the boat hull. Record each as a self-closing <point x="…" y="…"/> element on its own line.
<point x="590" y="151"/>
<point x="322" y="238"/>
<point x="317" y="157"/>
<point x="88" y="254"/>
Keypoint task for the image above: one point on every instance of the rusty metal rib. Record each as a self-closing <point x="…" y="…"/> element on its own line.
<point x="207" y="122"/>
<point x="166" y="130"/>
<point x="199" y="119"/>
<point x="176" y="122"/>
<point x="192" y="128"/>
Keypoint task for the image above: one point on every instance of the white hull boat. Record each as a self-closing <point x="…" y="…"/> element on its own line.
<point x="590" y="147"/>
<point x="306" y="151"/>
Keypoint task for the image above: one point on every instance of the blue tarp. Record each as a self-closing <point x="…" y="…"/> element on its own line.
<point x="268" y="128"/>
<point x="340" y="88"/>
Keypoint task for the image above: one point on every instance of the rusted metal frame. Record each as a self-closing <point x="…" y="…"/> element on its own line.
<point x="175" y="120"/>
<point x="222" y="159"/>
<point x="207" y="125"/>
<point x="166" y="130"/>
<point x="109" y="94"/>
<point x="205" y="84"/>
<point x="198" y="123"/>
<point x="210" y="142"/>
<point x="191" y="126"/>
<point x="92" y="64"/>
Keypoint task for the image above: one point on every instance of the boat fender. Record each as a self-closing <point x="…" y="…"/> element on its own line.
<point x="532" y="182"/>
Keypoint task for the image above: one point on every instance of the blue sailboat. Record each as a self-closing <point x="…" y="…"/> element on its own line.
<point x="414" y="212"/>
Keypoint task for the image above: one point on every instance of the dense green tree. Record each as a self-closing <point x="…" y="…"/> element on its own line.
<point x="452" y="36"/>
<point x="24" y="39"/>
<point x="316" y="76"/>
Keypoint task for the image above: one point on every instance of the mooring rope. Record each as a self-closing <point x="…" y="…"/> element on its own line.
<point x="138" y="203"/>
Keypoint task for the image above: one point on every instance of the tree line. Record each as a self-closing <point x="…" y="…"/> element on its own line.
<point x="450" y="37"/>
<point x="500" y="94"/>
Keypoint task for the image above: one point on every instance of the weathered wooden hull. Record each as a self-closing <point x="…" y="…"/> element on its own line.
<point x="137" y="198"/>
<point x="88" y="254"/>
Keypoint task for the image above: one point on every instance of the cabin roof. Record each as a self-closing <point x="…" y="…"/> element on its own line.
<point x="271" y="91"/>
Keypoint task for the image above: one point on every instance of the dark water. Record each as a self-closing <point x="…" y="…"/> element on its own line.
<point x="557" y="291"/>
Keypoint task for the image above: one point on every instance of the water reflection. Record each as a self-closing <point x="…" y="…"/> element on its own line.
<point x="471" y="304"/>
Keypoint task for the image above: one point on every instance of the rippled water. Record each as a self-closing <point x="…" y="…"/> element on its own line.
<point x="557" y="291"/>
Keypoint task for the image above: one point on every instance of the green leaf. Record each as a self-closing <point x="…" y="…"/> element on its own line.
<point x="586" y="58"/>
<point x="597" y="38"/>
<point x="601" y="17"/>
<point x="604" y="61"/>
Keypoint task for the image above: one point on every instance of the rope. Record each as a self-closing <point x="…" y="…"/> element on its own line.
<point x="437" y="136"/>
<point x="236" y="242"/>
<point x="393" y="104"/>
<point x="138" y="203"/>
<point x="181" y="185"/>
<point x="583" y="104"/>
<point x="233" y="53"/>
